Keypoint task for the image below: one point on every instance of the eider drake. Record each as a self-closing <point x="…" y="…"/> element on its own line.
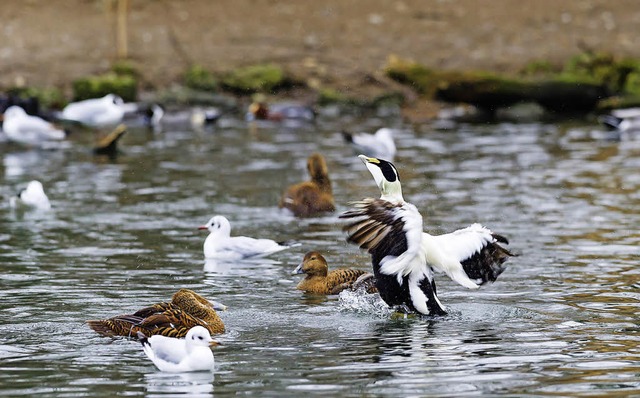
<point x="404" y="257"/>
<point x="221" y="245"/>
<point x="313" y="197"/>
<point x="378" y="145"/>
<point x="174" y="319"/>
<point x="319" y="280"/>
<point x="180" y="355"/>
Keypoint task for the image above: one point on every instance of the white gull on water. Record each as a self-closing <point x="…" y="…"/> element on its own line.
<point x="220" y="244"/>
<point x="193" y="353"/>
<point x="25" y="129"/>
<point x="33" y="196"/>
<point x="96" y="112"/>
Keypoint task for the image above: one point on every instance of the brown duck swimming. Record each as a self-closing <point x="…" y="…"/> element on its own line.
<point x="174" y="319"/>
<point x="319" y="280"/>
<point x="312" y="197"/>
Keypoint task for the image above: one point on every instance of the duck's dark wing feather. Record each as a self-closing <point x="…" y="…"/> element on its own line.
<point x="392" y="233"/>
<point x="153" y="309"/>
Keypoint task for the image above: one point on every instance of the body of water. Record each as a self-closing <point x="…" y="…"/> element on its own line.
<point x="561" y="320"/>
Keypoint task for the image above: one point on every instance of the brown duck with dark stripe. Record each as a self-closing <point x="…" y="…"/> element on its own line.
<point x="319" y="280"/>
<point x="310" y="198"/>
<point x="174" y="319"/>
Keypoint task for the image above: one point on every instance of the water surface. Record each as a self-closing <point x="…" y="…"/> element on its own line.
<point x="562" y="320"/>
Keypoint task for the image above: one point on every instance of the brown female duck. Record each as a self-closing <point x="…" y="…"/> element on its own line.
<point x="174" y="319"/>
<point x="311" y="197"/>
<point x="319" y="280"/>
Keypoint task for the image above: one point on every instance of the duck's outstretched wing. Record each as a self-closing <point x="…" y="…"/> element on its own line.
<point x="392" y="233"/>
<point x="477" y="251"/>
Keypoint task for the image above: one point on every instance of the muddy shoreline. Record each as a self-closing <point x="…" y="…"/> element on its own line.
<point x="331" y="44"/>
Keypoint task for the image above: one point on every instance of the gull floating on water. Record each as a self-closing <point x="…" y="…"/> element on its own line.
<point x="405" y="258"/>
<point x="23" y="128"/>
<point x="32" y="196"/>
<point x="193" y="353"/>
<point x="96" y="112"/>
<point x="221" y="245"/>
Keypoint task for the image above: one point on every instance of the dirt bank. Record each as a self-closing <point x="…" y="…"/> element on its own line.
<point x="332" y="43"/>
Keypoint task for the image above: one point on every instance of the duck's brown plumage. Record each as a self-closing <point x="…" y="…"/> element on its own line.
<point x="311" y="197"/>
<point x="319" y="280"/>
<point x="173" y="319"/>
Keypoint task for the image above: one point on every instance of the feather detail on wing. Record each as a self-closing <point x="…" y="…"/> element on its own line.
<point x="249" y="247"/>
<point x="477" y="250"/>
<point x="168" y="349"/>
<point x="391" y="232"/>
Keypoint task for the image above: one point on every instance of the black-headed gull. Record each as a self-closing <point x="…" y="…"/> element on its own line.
<point x="97" y="112"/>
<point x="25" y="129"/>
<point x="221" y="245"/>
<point x="404" y="257"/>
<point x="32" y="196"/>
<point x="378" y="145"/>
<point x="191" y="354"/>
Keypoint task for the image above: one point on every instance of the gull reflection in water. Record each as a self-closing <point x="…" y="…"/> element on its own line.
<point x="194" y="384"/>
<point x="245" y="266"/>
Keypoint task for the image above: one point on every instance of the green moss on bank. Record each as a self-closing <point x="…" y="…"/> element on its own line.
<point x="566" y="91"/>
<point x="266" y="78"/>
<point x="49" y="97"/>
<point x="199" y="78"/>
<point x="98" y="86"/>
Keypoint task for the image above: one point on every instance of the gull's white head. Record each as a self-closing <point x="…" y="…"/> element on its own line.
<point x="198" y="336"/>
<point x="114" y="99"/>
<point x="33" y="195"/>
<point x="13" y="112"/>
<point x="386" y="176"/>
<point x="219" y="225"/>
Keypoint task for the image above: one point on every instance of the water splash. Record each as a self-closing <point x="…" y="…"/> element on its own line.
<point x="363" y="303"/>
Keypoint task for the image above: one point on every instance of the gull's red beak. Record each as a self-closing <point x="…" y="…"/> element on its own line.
<point x="202" y="227"/>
